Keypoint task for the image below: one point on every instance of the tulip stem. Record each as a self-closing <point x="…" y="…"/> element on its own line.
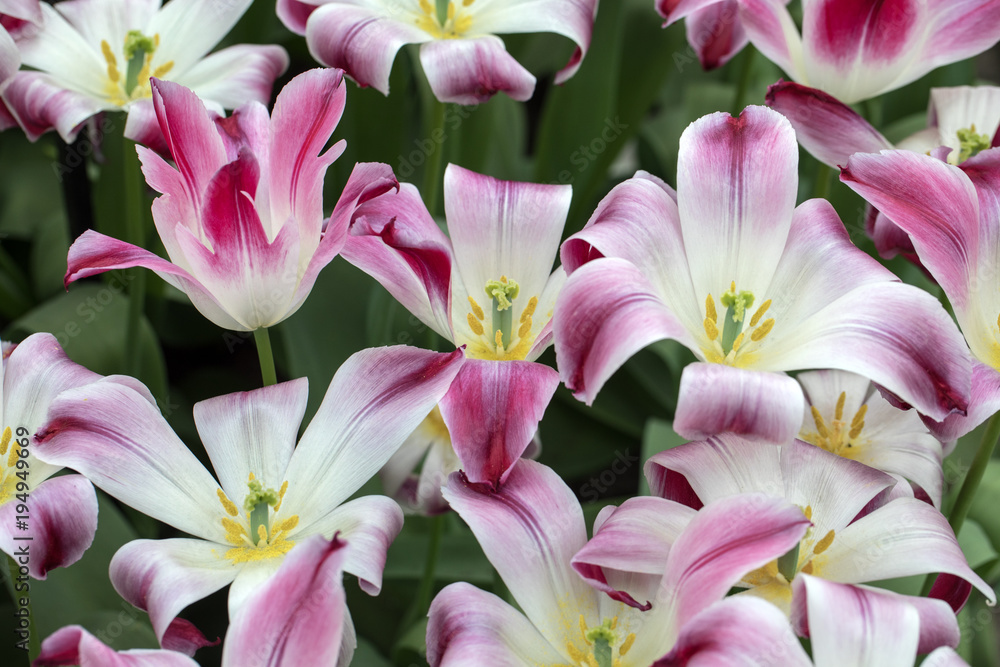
<point x="33" y="641"/>
<point x="422" y="602"/>
<point x="821" y="188"/>
<point x="135" y="228"/>
<point x="968" y="491"/>
<point x="435" y="137"/>
<point x="263" y="340"/>
<point x="739" y="100"/>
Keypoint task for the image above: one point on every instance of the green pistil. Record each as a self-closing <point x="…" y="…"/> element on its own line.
<point x="137" y="46"/>
<point x="503" y="292"/>
<point x="788" y="564"/>
<point x="603" y="638"/>
<point x="736" y="308"/>
<point x="257" y="502"/>
<point x="971" y="143"/>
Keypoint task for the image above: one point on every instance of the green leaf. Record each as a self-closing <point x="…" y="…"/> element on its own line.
<point x="658" y="436"/>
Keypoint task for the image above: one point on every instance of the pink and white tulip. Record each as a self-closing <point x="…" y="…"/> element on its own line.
<point x="241" y="217"/>
<point x="530" y="529"/>
<point x="951" y="215"/>
<point x="122" y="443"/>
<point x="465" y="62"/>
<point x="859" y="49"/>
<point x="504" y="236"/>
<point x="751" y="284"/>
<point x="89" y="56"/>
<point x="73" y="645"/>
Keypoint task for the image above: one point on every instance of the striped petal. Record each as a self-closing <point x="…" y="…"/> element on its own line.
<point x="73" y="645"/>
<point x="471" y="71"/>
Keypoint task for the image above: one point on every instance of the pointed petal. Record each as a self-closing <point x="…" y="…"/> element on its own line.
<point x="376" y="399"/>
<point x="984" y="402"/>
<point x="826" y="127"/>
<point x="238" y="74"/>
<point x="396" y="241"/>
<point x="73" y="645"/>
<point x="297" y="616"/>
<point x="10" y="57"/>
<point x="40" y="104"/>
<point x="771" y="29"/>
<point x="163" y="577"/>
<point x="715" y="398"/>
<point x="294" y="14"/>
<point x="143" y="127"/>
<point x="529" y="529"/>
<point x="471" y="71"/>
<point x="950" y="39"/>
<point x="252" y="432"/>
<point x="716" y="33"/>
<point x="191" y="28"/>
<point x="607" y="311"/>
<point x="63" y="519"/>
<point x="492" y="411"/>
<point x="736" y="187"/>
<point x="121" y="442"/>
<point x="362" y="41"/>
<point x="466" y="624"/>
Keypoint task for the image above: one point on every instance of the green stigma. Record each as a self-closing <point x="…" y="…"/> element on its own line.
<point x="257" y="502"/>
<point x="137" y="47"/>
<point x="603" y="638"/>
<point x="736" y="310"/>
<point x="788" y="564"/>
<point x="971" y="143"/>
<point x="503" y="292"/>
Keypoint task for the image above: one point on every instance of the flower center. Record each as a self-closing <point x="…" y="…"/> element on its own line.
<point x="970" y="143"/>
<point x="601" y="643"/>
<point x="457" y="21"/>
<point x="138" y="52"/>
<point x="798" y="559"/>
<point x="263" y="540"/>
<point x="8" y="473"/>
<point x="838" y="437"/>
<point x="500" y="341"/>
<point x="730" y="345"/>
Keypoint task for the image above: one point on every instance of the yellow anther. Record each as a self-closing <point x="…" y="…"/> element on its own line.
<point x="807" y="568"/>
<point x="732" y="286"/>
<point x="529" y="309"/>
<point x="462" y="25"/>
<point x="261" y="534"/>
<point x="466" y="3"/>
<point x="737" y="342"/>
<point x="5" y="440"/>
<point x="163" y="69"/>
<point x="583" y="628"/>
<point x="234" y="531"/>
<point x="252" y="477"/>
<point x="287" y="524"/>
<point x="475" y="325"/>
<point x="281" y="495"/>
<point x="592" y="661"/>
<point x="109" y="58"/>
<point x="627" y="644"/>
<point x="524" y="330"/>
<point x="614" y="622"/>
<point x="451" y="11"/>
<point x="858" y="423"/>
<point x="426" y="8"/>
<point x="808" y="511"/>
<point x="576" y="654"/>
<point x="820" y="424"/>
<point x="762" y="330"/>
<point x="839" y="412"/>
<point x="476" y="309"/>
<point x="998" y="321"/>
<point x="760" y="313"/>
<point x="711" y="330"/>
<point x="227" y="504"/>
<point x="824" y="544"/>
<point x="12" y="459"/>
<point x="498" y="339"/>
<point x="710" y="313"/>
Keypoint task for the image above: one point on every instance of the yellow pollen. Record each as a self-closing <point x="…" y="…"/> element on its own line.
<point x="529" y="309"/>
<point x="476" y="309"/>
<point x="109" y="58"/>
<point x="820" y="424"/>
<point x="732" y="286"/>
<point x="808" y="511"/>
<point x="466" y="3"/>
<point x="583" y="628"/>
<point x="737" y="342"/>
<point x="281" y="497"/>
<point x="426" y="7"/>
<point x="12" y="459"/>
<point x="858" y="423"/>
<point x="227" y="504"/>
<point x="998" y="321"/>
<point x="476" y="325"/>
<point x="286" y="525"/>
<point x="576" y="654"/>
<point x="163" y="69"/>
<point x="710" y="313"/>
<point x="451" y="11"/>
<point x="627" y="644"/>
<point x="498" y="339"/>
<point x="524" y="330"/>
<point x="252" y="477"/>
<point x="824" y="544"/>
<point x="592" y="661"/>
<point x="761" y="331"/>
<point x="760" y="313"/>
<point x="807" y="568"/>
<point x="711" y="330"/>
<point x="839" y="412"/>
<point x="235" y="534"/>
<point x="614" y="622"/>
<point x="5" y="440"/>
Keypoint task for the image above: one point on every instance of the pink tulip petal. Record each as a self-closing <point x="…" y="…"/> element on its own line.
<point x="73" y="645"/>
<point x="471" y="71"/>
<point x="27" y="10"/>
<point x="294" y="14"/>
<point x="772" y="31"/>
<point x="983" y="404"/>
<point x="39" y="104"/>
<point x="944" y="657"/>
<point x="716" y="33"/>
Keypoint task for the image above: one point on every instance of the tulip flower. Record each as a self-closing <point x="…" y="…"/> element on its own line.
<point x="14" y="14"/>
<point x="752" y="285"/>
<point x="848" y="417"/>
<point x="89" y="56"/>
<point x="241" y="216"/>
<point x="530" y="529"/>
<point x="270" y="495"/>
<point x="950" y="214"/>
<point x="489" y="288"/>
<point x="465" y="62"/>
<point x="858" y="49"/>
<point x="73" y="645"/>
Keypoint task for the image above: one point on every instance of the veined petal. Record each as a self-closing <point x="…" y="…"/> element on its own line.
<point x="122" y="443"/>
<point x="396" y="241"/>
<point x="27" y="10"/>
<point x="362" y="41"/>
<point x="826" y="127"/>
<point x="984" y="402"/>
<point x="607" y="311"/>
<point x="376" y="399"/>
<point x="73" y="645"/>
<point x="471" y="71"/>
<point x="10" y="57"/>
<point x="297" y="616"/>
<point x="627" y="556"/>
<point x="736" y="187"/>
<point x="962" y="108"/>
<point x="191" y="28"/>
<point x="492" y="411"/>
<point x="529" y="529"/>
<point x="466" y="624"/>
<point x="759" y="405"/>
<point x="294" y="14"/>
<point x="950" y="39"/>
<point x="918" y="540"/>
<point x="62" y="523"/>
<point x="38" y="104"/>
<point x="236" y="75"/>
<point x="62" y="50"/>
<point x="252" y="432"/>
<point x="771" y="29"/>
<point x="741" y="631"/>
<point x="716" y="33"/>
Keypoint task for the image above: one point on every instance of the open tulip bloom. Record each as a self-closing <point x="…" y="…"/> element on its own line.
<point x="270" y="495"/>
<point x="530" y="530"/>
<point x="241" y="216"/>
<point x="858" y="49"/>
<point x="952" y="218"/>
<point x="490" y="288"/>
<point x="465" y="62"/>
<point x="98" y="55"/>
<point x="751" y="284"/>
